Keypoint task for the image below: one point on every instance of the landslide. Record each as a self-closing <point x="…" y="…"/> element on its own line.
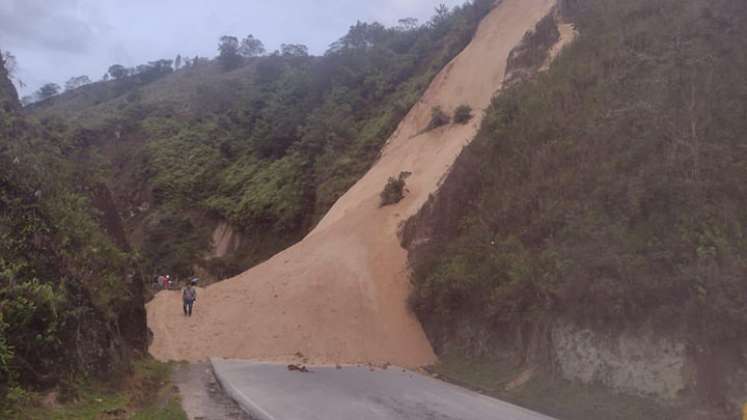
<point x="215" y="169"/>
<point x="339" y="295"/>
<point x="606" y="194"/>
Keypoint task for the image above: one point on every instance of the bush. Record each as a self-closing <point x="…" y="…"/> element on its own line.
<point x="463" y="114"/>
<point x="438" y="118"/>
<point x="394" y="190"/>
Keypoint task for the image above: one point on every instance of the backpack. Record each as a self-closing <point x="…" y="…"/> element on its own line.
<point x="189" y="293"/>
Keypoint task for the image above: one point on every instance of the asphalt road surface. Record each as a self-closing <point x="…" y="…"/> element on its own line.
<point x="272" y="392"/>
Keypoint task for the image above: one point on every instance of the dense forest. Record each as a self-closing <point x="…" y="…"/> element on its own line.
<point x="610" y="190"/>
<point x="263" y="142"/>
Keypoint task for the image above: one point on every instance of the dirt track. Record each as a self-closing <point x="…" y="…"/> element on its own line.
<point x="339" y="296"/>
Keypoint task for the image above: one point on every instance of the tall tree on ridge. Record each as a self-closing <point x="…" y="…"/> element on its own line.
<point x="251" y="47"/>
<point x="228" y="48"/>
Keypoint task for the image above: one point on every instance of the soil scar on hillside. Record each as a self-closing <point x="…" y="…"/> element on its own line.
<point x="339" y="295"/>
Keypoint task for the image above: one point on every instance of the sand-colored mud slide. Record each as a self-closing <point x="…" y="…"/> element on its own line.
<point x="339" y="295"/>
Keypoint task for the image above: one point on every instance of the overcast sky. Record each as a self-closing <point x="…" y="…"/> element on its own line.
<point x="54" y="40"/>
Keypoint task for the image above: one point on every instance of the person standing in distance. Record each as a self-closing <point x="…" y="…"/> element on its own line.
<point x="189" y="296"/>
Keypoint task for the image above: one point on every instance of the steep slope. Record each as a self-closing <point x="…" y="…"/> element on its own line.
<point x="255" y="154"/>
<point x="596" y="226"/>
<point x="70" y="306"/>
<point x="340" y="294"/>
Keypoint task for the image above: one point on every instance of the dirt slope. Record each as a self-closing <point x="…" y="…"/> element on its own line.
<point x="339" y="296"/>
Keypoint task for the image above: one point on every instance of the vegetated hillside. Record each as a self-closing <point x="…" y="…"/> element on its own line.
<point x="264" y="149"/>
<point x="608" y="194"/>
<point x="69" y="304"/>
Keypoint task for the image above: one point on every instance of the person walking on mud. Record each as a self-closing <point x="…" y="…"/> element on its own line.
<point x="189" y="296"/>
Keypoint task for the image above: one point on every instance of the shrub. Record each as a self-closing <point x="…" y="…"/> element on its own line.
<point x="394" y="190"/>
<point x="463" y="114"/>
<point x="438" y="118"/>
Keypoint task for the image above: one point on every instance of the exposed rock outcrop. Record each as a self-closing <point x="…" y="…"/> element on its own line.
<point x="634" y="362"/>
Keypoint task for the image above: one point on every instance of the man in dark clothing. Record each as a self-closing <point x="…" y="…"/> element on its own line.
<point x="189" y="296"/>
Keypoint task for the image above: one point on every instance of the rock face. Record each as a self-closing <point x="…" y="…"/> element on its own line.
<point x="632" y="362"/>
<point x="225" y="240"/>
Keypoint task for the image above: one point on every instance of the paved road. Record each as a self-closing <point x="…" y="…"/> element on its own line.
<point x="272" y="392"/>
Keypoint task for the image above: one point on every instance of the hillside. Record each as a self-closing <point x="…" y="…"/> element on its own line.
<point x="542" y="201"/>
<point x="70" y="307"/>
<point x="216" y="169"/>
<point x="339" y="295"/>
<point x="105" y="185"/>
<point x="595" y="229"/>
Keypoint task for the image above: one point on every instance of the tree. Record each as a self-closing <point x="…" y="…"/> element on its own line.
<point x="441" y="16"/>
<point x="438" y="118"/>
<point x="407" y="24"/>
<point x="362" y="35"/>
<point x="9" y="62"/>
<point x="139" y="69"/>
<point x="47" y="91"/>
<point x="11" y="65"/>
<point x="229" y="52"/>
<point x="251" y="47"/>
<point x="161" y="66"/>
<point x="76" y="82"/>
<point x="294" y="50"/>
<point x="153" y="70"/>
<point x="118" y="71"/>
<point x="463" y="114"/>
<point x="394" y="190"/>
<point x="178" y="62"/>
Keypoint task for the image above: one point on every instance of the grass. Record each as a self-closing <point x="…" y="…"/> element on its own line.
<point x="545" y="392"/>
<point x="146" y="394"/>
<point x="171" y="411"/>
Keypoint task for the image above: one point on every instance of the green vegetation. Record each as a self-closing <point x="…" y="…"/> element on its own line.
<point x="65" y="293"/>
<point x="47" y="91"/>
<point x="229" y="52"/>
<point x="266" y="143"/>
<point x="148" y="394"/>
<point x="545" y="392"/>
<point x="613" y="185"/>
<point x="394" y="190"/>
<point x="462" y="114"/>
<point x="438" y="118"/>
<point x="611" y="188"/>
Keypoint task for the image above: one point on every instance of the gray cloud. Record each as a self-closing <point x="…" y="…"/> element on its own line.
<point x="58" y="39"/>
<point x="61" y="25"/>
